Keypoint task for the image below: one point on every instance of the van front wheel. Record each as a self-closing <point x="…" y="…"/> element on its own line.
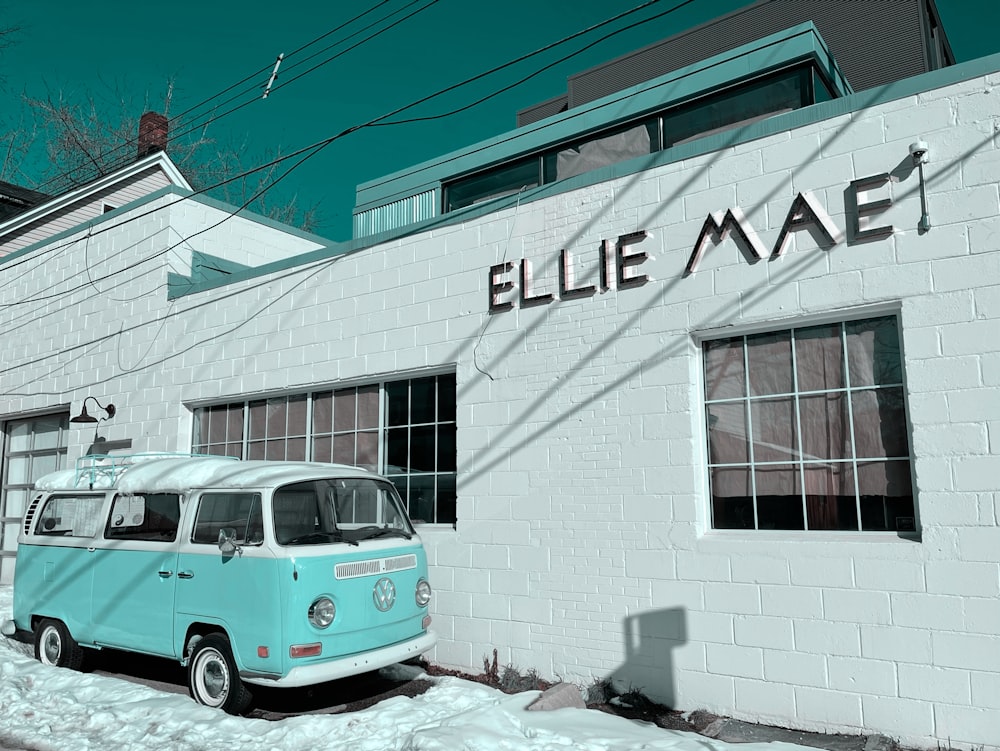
<point x="212" y="676"/>
<point x="55" y="646"/>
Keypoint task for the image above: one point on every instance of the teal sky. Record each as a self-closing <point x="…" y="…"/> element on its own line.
<point x="79" y="48"/>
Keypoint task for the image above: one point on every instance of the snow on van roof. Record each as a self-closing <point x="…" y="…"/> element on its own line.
<point x="159" y="474"/>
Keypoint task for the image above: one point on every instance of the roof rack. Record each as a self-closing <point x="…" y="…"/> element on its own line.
<point x="106" y="469"/>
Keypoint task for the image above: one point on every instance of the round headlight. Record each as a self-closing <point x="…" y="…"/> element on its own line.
<point x="321" y="612"/>
<point x="423" y="593"/>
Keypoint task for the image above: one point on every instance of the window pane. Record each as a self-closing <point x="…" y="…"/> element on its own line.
<point x="779" y="497"/>
<point x="753" y="101"/>
<point x="217" y="422"/>
<point x="344" y="409"/>
<point x="421" y="501"/>
<point x="446" y="398"/>
<point x="10" y="533"/>
<point x="368" y="407"/>
<point x="17" y="470"/>
<point x="422" y="397"/>
<point x="234" y="423"/>
<point x="255" y="450"/>
<point x="295" y="450"/>
<point x="732" y="498"/>
<point x="727" y="433"/>
<point x="500" y="181"/>
<point x="46" y="430"/>
<point x="297" y="415"/>
<point x="323" y="412"/>
<point x="446" y="448"/>
<point x="15" y="503"/>
<point x="422" y="449"/>
<point x="153" y="517"/>
<point x="725" y="375"/>
<point x="603" y="151"/>
<point x="275" y="451"/>
<point x="322" y="449"/>
<point x="879" y="423"/>
<point x="826" y="430"/>
<point x="830" y="497"/>
<point x="20" y="436"/>
<point x="397" y="402"/>
<point x="367" y="449"/>
<point x="774" y="430"/>
<point x="832" y="512"/>
<point x="396" y="446"/>
<point x="258" y="419"/>
<point x="43" y="464"/>
<point x="886" y="496"/>
<point x="769" y="357"/>
<point x="446" y="499"/>
<point x="343" y="448"/>
<point x="237" y="511"/>
<point x="277" y="416"/>
<point x="819" y="358"/>
<point x="873" y="352"/>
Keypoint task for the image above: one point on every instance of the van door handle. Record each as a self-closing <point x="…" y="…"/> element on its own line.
<point x="165" y="574"/>
<point x="185" y="575"/>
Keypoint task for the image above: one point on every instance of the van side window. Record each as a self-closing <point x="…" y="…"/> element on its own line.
<point x="153" y="517"/>
<point x="70" y="516"/>
<point x="236" y="511"/>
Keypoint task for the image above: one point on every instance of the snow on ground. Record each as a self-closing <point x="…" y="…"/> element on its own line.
<point x="54" y="709"/>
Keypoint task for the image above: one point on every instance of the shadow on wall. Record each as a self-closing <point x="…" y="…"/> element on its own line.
<point x="650" y="640"/>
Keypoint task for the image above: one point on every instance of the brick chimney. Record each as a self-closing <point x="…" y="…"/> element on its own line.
<point x="152" y="133"/>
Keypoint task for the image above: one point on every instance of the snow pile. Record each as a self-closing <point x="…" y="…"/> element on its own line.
<point x="53" y="709"/>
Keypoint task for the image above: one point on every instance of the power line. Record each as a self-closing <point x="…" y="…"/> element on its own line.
<point x="132" y="142"/>
<point x="315" y="148"/>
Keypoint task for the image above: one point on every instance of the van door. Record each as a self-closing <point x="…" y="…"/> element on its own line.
<point x="55" y="563"/>
<point x="236" y="591"/>
<point x="135" y="574"/>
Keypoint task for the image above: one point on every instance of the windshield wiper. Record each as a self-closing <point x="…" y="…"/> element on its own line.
<point x="371" y="533"/>
<point x="318" y="537"/>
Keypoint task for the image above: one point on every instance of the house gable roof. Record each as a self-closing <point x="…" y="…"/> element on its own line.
<point x="60" y="203"/>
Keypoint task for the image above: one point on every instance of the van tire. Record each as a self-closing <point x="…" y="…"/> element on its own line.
<point x="54" y="645"/>
<point x="213" y="679"/>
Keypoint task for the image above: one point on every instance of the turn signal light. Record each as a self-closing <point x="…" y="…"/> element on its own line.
<point x="263" y="652"/>
<point x="305" y="650"/>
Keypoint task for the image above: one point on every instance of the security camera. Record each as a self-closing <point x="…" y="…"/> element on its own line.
<point x="919" y="150"/>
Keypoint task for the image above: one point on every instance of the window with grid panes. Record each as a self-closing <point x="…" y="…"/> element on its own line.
<point x="32" y="447"/>
<point x="403" y="429"/>
<point x="807" y="429"/>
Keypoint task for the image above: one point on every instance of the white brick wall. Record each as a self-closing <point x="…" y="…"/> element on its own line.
<point x="583" y="547"/>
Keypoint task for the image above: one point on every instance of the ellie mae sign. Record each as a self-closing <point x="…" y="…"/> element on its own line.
<point x="615" y="258"/>
<point x="618" y="260"/>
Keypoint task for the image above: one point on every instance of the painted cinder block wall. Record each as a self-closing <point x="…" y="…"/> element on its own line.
<point x="583" y="547"/>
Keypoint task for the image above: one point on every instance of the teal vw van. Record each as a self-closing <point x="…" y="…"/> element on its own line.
<point x="248" y="573"/>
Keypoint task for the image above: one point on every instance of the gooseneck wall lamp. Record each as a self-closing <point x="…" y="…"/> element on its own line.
<point x="84" y="417"/>
<point x="920" y="153"/>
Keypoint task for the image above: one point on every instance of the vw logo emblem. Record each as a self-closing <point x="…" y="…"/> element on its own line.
<point x="384" y="594"/>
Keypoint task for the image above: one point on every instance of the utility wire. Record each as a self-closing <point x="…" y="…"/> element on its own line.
<point x="313" y="149"/>
<point x="132" y="142"/>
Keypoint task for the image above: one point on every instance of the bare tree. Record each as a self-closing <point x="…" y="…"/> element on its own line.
<point x="94" y="135"/>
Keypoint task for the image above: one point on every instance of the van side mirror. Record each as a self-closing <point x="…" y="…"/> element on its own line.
<point x="227" y="541"/>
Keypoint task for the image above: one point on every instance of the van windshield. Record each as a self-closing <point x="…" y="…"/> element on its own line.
<point x="348" y="510"/>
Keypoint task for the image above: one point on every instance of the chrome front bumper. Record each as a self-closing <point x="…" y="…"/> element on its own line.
<point x="331" y="670"/>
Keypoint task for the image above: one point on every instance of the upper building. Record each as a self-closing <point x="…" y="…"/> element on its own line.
<point x="769" y="58"/>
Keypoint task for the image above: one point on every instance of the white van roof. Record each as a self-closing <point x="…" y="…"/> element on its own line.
<point x="156" y="473"/>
